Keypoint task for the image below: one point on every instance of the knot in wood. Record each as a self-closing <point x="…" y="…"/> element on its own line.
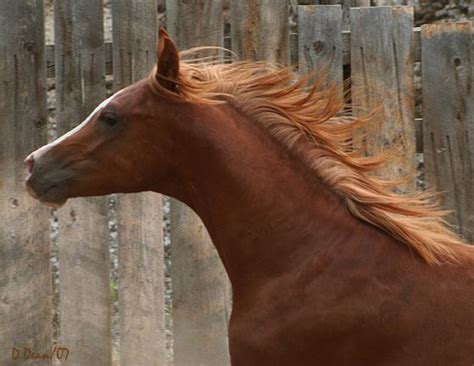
<point x="14" y="203"/>
<point x="38" y="123"/>
<point x="457" y="62"/>
<point x="319" y="47"/>
<point x="30" y="46"/>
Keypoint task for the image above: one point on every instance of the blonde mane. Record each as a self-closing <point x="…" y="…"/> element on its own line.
<point x="316" y="125"/>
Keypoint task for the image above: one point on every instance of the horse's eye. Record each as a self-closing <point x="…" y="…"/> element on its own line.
<point x="109" y="119"/>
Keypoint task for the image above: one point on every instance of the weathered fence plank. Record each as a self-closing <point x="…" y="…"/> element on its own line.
<point x="382" y="76"/>
<point x="346" y="10"/>
<point x="201" y="293"/>
<point x="448" y="106"/>
<point x="195" y="23"/>
<point x="201" y="290"/>
<point x="385" y="2"/>
<point x="83" y="232"/>
<point x="141" y="268"/>
<point x="320" y="43"/>
<point x="25" y="278"/>
<point x="260" y="30"/>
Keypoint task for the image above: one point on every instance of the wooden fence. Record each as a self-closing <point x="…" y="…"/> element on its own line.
<point x="379" y="48"/>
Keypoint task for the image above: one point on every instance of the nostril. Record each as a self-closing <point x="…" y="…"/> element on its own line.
<point x="29" y="162"/>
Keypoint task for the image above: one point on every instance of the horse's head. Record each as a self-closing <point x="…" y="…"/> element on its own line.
<point x="115" y="148"/>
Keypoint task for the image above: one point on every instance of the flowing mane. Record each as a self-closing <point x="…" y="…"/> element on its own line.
<point x="316" y="125"/>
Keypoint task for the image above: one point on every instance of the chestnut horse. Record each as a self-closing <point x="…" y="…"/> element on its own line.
<point x="328" y="266"/>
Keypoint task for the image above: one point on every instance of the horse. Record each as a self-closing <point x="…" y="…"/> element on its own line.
<point x="328" y="265"/>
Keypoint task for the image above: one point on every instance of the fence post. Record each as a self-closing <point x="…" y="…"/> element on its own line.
<point x="382" y="56"/>
<point x="260" y="30"/>
<point x="320" y="43"/>
<point x="448" y="118"/>
<point x="384" y="2"/>
<point x="195" y="23"/>
<point x="140" y="233"/>
<point x="201" y="290"/>
<point x="346" y="10"/>
<point x="83" y="235"/>
<point x="25" y="277"/>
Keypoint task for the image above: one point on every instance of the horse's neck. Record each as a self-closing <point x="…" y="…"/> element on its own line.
<point x="264" y="209"/>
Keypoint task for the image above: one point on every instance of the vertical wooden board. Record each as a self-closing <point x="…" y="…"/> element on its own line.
<point x="201" y="293"/>
<point x="448" y="118"/>
<point x="201" y="289"/>
<point x="25" y="278"/>
<point x="140" y="255"/>
<point x="320" y="43"/>
<point x="384" y="2"/>
<point x="83" y="232"/>
<point x="195" y="23"/>
<point x="141" y="280"/>
<point x="346" y="10"/>
<point x="260" y="30"/>
<point x="382" y="59"/>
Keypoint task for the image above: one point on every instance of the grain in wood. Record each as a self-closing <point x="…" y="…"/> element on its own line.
<point x="25" y="277"/>
<point x="382" y="78"/>
<point x="448" y="118"/>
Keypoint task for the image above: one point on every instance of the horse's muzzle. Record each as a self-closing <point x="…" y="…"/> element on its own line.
<point x="44" y="181"/>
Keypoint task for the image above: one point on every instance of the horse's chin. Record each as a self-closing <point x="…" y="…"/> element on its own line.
<point x="52" y="197"/>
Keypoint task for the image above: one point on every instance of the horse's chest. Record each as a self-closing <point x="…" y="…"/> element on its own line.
<point x="323" y="322"/>
<point x="278" y="328"/>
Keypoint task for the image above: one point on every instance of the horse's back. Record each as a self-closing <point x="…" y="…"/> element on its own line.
<point x="443" y="312"/>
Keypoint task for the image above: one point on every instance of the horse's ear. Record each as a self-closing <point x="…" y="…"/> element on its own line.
<point x="168" y="61"/>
